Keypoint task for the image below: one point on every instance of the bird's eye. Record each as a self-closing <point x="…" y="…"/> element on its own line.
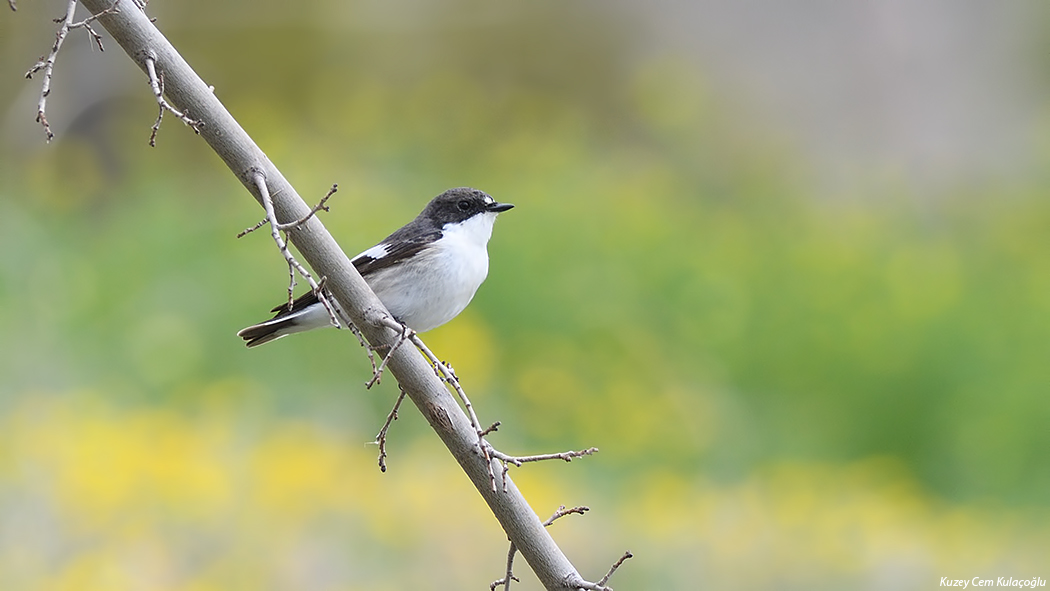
<point x="465" y="205"/>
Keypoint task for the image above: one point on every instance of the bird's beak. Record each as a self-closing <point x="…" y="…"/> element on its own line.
<point x="498" y="207"/>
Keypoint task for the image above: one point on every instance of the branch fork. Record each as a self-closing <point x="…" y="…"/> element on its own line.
<point x="462" y="434"/>
<point x="404" y="333"/>
<point x="507" y="460"/>
<point x="156" y="82"/>
<point x="578" y="583"/>
<point x="47" y="63"/>
<point x="259" y="181"/>
<point x="448" y="375"/>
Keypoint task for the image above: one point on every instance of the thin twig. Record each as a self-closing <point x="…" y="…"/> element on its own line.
<point x="271" y="217"/>
<point x="156" y="82"/>
<point x="506" y="460"/>
<point x="47" y="64"/>
<point x="292" y="225"/>
<point x="404" y="334"/>
<point x="291" y="282"/>
<point x="247" y="231"/>
<point x="562" y="512"/>
<point x="241" y="154"/>
<point x="568" y="456"/>
<point x="509" y="576"/>
<point x="364" y="343"/>
<point x="320" y="205"/>
<point x="264" y="193"/>
<point x="448" y="374"/>
<point x="292" y="267"/>
<point x="381" y="437"/>
<point x="86" y="24"/>
<point x="615" y="566"/>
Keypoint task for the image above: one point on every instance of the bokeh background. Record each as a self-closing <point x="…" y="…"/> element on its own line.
<point x="786" y="264"/>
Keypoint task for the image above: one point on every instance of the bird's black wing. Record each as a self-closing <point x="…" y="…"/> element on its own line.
<point x="394" y="252"/>
<point x="304" y="301"/>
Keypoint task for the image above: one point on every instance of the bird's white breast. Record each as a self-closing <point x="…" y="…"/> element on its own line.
<point x="437" y="284"/>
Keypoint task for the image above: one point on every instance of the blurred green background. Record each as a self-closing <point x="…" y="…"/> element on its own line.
<point x="787" y="267"/>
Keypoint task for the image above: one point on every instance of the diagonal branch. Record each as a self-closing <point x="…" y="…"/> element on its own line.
<point x="186" y="91"/>
<point x="282" y="245"/>
<point x="509" y="576"/>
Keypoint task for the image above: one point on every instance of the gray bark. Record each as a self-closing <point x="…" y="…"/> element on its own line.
<point x="131" y="28"/>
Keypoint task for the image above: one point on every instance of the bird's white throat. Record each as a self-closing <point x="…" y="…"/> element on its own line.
<point x="475" y="231"/>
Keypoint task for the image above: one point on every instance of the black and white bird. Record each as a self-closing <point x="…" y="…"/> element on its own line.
<point x="425" y="273"/>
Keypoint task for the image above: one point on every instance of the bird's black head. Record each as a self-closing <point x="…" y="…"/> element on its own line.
<point x="461" y="204"/>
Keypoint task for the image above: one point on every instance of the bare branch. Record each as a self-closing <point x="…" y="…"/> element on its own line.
<point x="448" y="375"/>
<point x="506" y="460"/>
<point x="615" y="566"/>
<point x="259" y="180"/>
<point x="247" y="231"/>
<point x="578" y="582"/>
<point x="581" y="584"/>
<point x="364" y="343"/>
<point x="334" y="314"/>
<point x="47" y="64"/>
<point x="381" y="437"/>
<point x="562" y="512"/>
<point x="441" y="369"/>
<point x="293" y="225"/>
<point x="377" y="372"/>
<point x="568" y="456"/>
<point x="156" y="82"/>
<point x="293" y="264"/>
<point x="186" y="91"/>
<point x="509" y="576"/>
<point x="320" y="205"/>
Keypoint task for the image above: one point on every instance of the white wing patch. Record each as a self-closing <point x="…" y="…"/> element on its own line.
<point x="376" y="252"/>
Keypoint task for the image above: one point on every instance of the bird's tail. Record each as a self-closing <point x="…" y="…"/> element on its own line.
<point x="285" y="323"/>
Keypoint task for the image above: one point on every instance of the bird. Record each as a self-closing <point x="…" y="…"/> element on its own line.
<point x="425" y="273"/>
